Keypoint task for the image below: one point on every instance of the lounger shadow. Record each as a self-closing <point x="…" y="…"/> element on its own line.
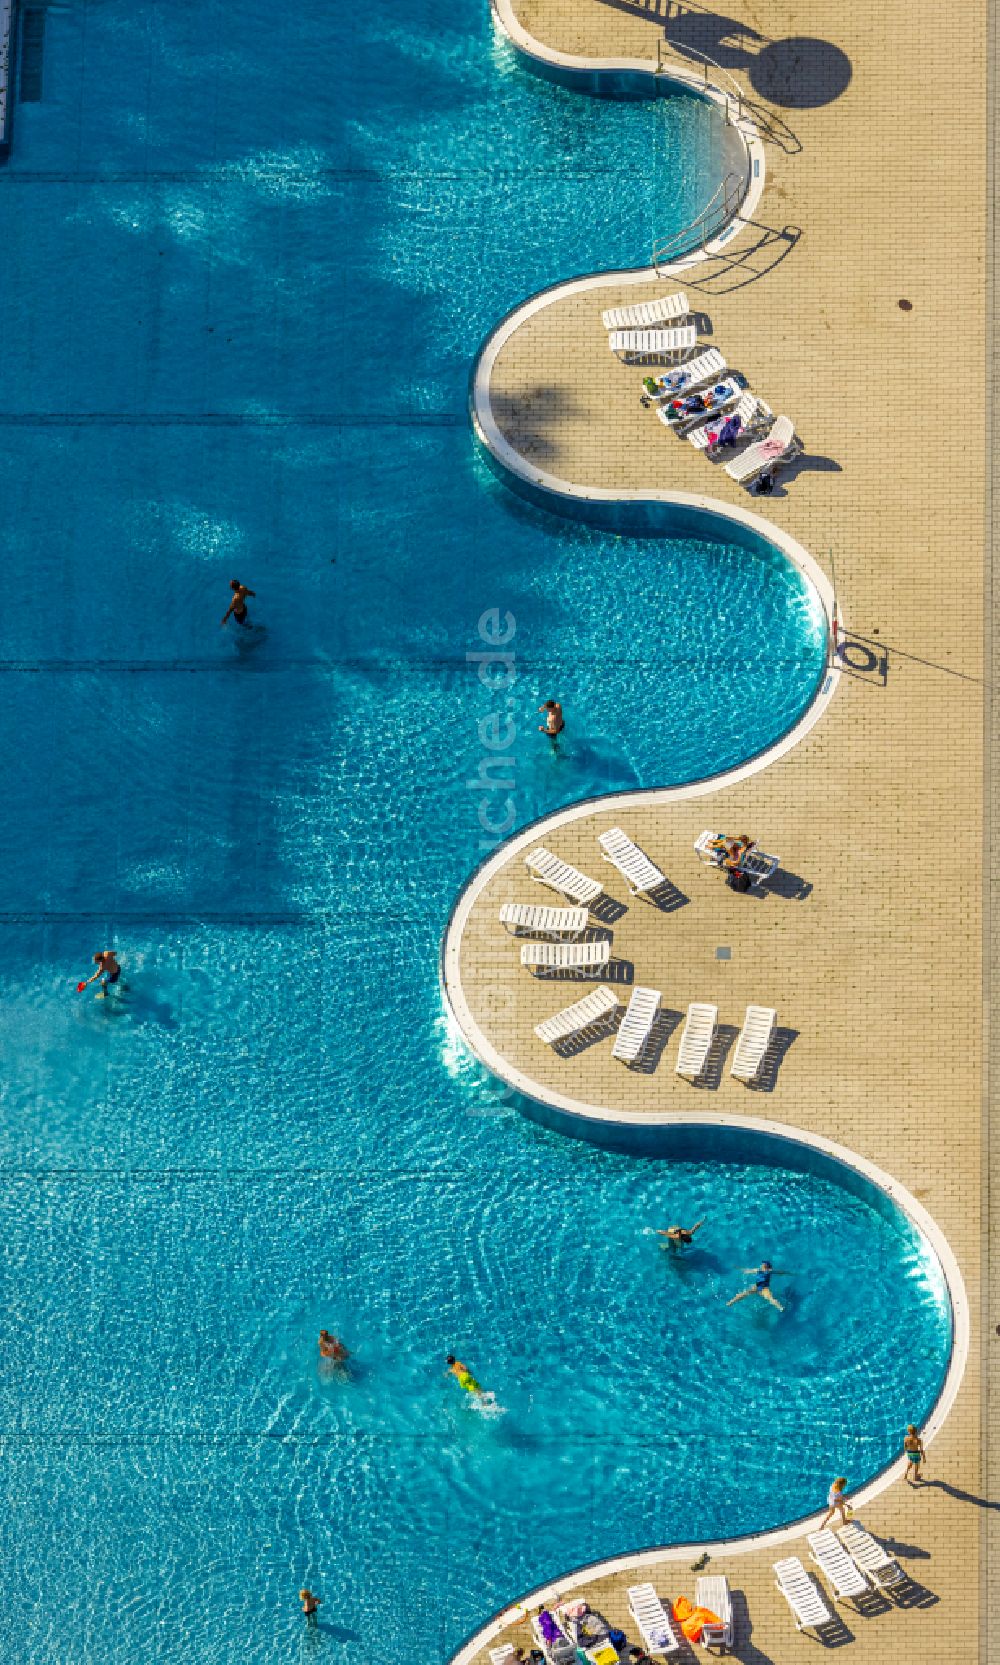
<point x="781" y="1042"/>
<point x="665" y="1025"/>
<point x="726" y="1034"/>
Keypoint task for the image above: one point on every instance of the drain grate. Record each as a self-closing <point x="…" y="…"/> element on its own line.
<point x="723" y="953"/>
<point x="29" y="81"/>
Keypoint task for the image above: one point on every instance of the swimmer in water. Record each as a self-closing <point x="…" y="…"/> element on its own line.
<point x="330" y="1347"/>
<point x="238" y="606"/>
<point x="677" y="1235"/>
<point x="462" y="1375"/>
<point x="554" y="721"/>
<point x="107" y="974"/>
<point x="761" y="1285"/>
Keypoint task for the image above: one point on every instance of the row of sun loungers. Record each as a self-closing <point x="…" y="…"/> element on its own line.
<point x="637" y="1024"/>
<point x="852" y="1566"/>
<point x="633" y="337"/>
<point x="585" y="959"/>
<point x="852" y="1562"/>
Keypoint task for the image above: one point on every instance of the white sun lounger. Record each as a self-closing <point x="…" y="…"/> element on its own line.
<point x="696" y="1040"/>
<point x="694" y="420"/>
<point x="558" y="875"/>
<point x="599" y="1004"/>
<point x="499" y="1656"/>
<point x="766" y="453"/>
<point x="845" y="1579"/>
<point x="644" y="313"/>
<point x="809" y="1610"/>
<point x="544" y="922"/>
<point x="636" y="1025"/>
<point x="755" y="1038"/>
<point x="688" y="376"/>
<point x="560" y="1652"/>
<point x="746" y="410"/>
<point x="652" y="1618"/>
<point x="638" y="344"/>
<point x="713" y="1592"/>
<point x="636" y="869"/>
<point x="582" y="958"/>
<point x="868" y="1554"/>
<point x="757" y="863"/>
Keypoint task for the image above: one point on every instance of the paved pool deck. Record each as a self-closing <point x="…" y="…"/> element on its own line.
<point x="872" y="948"/>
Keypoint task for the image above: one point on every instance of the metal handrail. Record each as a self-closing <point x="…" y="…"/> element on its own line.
<point x="717" y="212"/>
<point x="709" y="63"/>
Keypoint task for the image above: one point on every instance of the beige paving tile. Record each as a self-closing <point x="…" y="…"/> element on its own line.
<point x="877" y="971"/>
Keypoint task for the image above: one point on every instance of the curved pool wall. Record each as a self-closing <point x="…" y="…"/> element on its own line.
<point x="647" y="514"/>
<point x="638" y="78"/>
<point x="749" y="1141"/>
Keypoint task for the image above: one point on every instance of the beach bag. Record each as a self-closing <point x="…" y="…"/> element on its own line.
<point x="738" y="881"/>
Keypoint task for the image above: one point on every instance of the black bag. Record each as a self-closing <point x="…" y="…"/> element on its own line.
<point x="738" y="881"/>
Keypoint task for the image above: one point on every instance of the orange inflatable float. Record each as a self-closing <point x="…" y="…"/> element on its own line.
<point x="693" y="1620"/>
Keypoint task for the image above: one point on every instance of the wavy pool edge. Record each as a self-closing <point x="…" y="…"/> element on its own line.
<point x="554" y="493"/>
<point x="579" y="1577"/>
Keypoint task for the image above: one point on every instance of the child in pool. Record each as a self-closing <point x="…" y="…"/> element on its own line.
<point x="462" y="1375"/>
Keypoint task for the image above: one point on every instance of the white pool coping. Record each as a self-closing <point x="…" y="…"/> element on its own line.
<point x="491" y="437"/>
<point x="575" y="1579"/>
<point x="510" y="460"/>
<point x="691" y="81"/>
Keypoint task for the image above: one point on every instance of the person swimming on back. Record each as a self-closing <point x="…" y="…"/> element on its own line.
<point x="761" y="1285"/>
<point x="462" y="1375"/>
<point x="677" y="1235"/>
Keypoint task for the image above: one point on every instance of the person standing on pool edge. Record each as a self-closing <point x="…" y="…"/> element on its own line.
<point x="837" y="1502"/>
<point x="913" y="1448"/>
<point x="238" y="606"/>
<point x="554" y="721"/>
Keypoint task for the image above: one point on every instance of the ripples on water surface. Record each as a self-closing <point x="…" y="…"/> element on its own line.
<point x="248" y="257"/>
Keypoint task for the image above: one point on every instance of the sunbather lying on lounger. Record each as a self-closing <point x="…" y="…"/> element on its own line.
<point x="728" y="434"/>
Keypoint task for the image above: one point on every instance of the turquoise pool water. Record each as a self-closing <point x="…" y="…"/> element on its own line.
<point x="248" y="255"/>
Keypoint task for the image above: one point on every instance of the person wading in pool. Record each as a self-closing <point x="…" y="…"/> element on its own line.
<point x="238" y="606"/>
<point x="331" y="1347"/>
<point x="761" y="1285"/>
<point x="310" y="1606"/>
<point x="554" y="721"/>
<point x="107" y="973"/>
<point x="676" y="1236"/>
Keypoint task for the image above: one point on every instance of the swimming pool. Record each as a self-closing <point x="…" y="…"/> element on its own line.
<point x="249" y="256"/>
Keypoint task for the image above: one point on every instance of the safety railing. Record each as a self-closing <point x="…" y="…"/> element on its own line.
<point x="690" y="58"/>
<point x="716" y="214"/>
